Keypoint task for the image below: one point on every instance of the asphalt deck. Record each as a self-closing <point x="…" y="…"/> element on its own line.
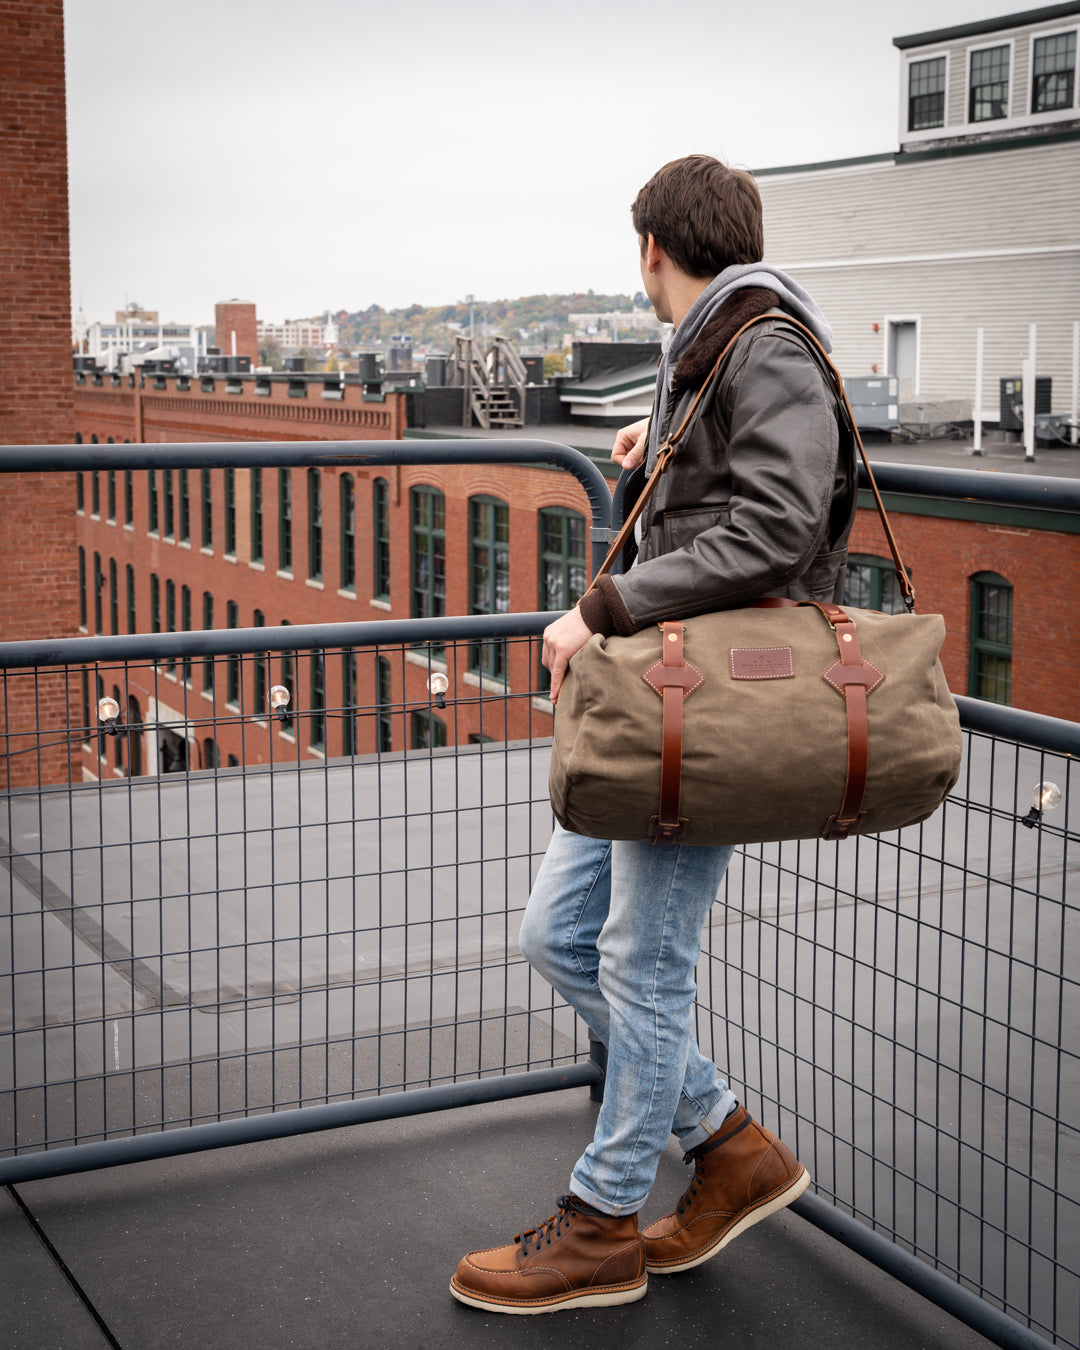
<point x="349" y="1237"/>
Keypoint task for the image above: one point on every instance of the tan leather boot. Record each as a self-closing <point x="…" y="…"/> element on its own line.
<point x="579" y="1258"/>
<point x="742" y="1174"/>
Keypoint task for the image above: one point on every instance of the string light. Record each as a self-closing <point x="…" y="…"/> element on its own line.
<point x="1045" y="797"/>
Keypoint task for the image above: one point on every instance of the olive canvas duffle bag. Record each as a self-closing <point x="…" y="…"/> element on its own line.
<point x="780" y="720"/>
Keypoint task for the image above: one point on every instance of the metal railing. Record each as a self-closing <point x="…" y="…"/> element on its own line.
<point x="221" y="954"/>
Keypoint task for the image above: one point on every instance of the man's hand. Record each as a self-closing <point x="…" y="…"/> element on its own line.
<point x="563" y="639"/>
<point x="630" y="445"/>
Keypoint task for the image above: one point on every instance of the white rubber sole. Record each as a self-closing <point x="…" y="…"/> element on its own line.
<point x="599" y="1298"/>
<point x="773" y="1206"/>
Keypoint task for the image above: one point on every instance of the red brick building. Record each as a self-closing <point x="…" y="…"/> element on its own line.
<point x="245" y="548"/>
<point x="192" y="549"/>
<point x="38" y="598"/>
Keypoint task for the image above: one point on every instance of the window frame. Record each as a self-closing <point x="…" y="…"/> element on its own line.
<point x="234" y="685"/>
<point x="970" y="92"/>
<point x="256" y="516"/>
<point x="943" y="93"/>
<point x="427" y="548"/>
<point x="206" y="507"/>
<point x="380" y="531"/>
<point x="285" y="540"/>
<point x="1064" y="109"/>
<point x="313" y="478"/>
<point x="882" y="577"/>
<point x="347" y="532"/>
<point x="230" y="513"/>
<point x="991" y="648"/>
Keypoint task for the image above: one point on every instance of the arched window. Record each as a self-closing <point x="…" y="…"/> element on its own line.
<point x="317" y="700"/>
<point x="82" y="587"/>
<point x="260" y="666"/>
<point x="284" y="521"/>
<point x="489" y="577"/>
<point x="347" y="498"/>
<point x="380" y="507"/>
<point x="118" y="739"/>
<point x="386" y="705"/>
<point x="133" y="731"/>
<point x="256" y="516"/>
<point x="428" y="516"/>
<point x="563" y="565"/>
<point x="990" y="664"/>
<point x="232" y="665"/>
<point x="348" y="701"/>
<point x="314" y="492"/>
<point x="114" y="598"/>
<point x="870" y="583"/>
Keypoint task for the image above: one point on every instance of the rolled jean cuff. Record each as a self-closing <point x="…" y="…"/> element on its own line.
<point x="598" y="1201"/>
<point x="712" y="1122"/>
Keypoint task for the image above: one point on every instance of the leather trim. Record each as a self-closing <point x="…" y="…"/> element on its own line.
<point x="854" y="679"/>
<point x="674" y="679"/>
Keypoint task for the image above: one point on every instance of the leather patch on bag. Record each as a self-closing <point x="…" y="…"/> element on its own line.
<point x="762" y="663"/>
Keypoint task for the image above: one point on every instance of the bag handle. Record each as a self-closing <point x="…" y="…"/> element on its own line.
<point x="667" y="451"/>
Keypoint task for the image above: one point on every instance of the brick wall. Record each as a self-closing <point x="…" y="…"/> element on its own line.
<point x="37" y="523"/>
<point x="1042" y="567"/>
<point x="138" y="411"/>
<point x="236" y="316"/>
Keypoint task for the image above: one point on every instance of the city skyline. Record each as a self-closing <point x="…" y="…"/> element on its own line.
<point x="366" y="158"/>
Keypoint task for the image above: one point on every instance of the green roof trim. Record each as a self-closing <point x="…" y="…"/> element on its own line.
<point x="987" y="513"/>
<point x="963" y="30"/>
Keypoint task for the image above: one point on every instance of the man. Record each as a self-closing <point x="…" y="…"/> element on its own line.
<point x="758" y="501"/>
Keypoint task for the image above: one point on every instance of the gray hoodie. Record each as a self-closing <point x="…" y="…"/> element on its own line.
<point x="793" y="301"/>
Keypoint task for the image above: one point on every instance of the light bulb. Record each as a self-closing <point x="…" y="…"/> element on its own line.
<point x="108" y="710"/>
<point x="1046" y="796"/>
<point x="438" y="684"/>
<point x="279" y="697"/>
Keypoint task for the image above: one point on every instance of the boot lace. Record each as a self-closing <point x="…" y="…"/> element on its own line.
<point x="543" y="1233"/>
<point x="687" y="1197"/>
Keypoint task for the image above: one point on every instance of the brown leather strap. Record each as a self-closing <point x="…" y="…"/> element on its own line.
<point x="674" y="679"/>
<point x="853" y="678"/>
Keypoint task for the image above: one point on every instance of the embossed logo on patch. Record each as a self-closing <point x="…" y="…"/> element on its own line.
<point x="762" y="663"/>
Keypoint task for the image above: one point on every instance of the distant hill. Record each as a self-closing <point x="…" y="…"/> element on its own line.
<point x="530" y="321"/>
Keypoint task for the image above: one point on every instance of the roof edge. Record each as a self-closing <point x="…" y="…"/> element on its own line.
<point x="936" y="35"/>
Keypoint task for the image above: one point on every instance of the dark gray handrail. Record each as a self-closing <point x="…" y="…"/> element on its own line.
<point x="1041" y="491"/>
<point x="324" y="454"/>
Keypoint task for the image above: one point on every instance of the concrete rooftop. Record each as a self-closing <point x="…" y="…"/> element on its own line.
<point x="349" y="1237"/>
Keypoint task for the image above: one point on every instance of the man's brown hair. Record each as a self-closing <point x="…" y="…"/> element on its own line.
<point x="704" y="215"/>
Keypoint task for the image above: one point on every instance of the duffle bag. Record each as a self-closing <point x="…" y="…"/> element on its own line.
<point x="780" y="720"/>
<point x="752" y="725"/>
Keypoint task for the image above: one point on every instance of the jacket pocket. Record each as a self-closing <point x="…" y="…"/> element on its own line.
<point x="824" y="578"/>
<point x="682" y="527"/>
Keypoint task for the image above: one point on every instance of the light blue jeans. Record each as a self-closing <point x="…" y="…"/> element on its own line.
<point x="615" y="928"/>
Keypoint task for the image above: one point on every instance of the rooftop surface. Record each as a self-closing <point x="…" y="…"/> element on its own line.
<point x="349" y="1237"/>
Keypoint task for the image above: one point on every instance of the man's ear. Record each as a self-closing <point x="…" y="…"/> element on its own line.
<point x="652" y="253"/>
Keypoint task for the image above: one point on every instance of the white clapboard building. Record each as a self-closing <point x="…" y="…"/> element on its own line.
<point x="972" y="223"/>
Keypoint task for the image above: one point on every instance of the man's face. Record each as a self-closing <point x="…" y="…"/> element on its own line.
<point x="652" y="287"/>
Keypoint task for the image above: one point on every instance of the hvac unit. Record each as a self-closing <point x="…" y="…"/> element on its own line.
<point x="1012" y="401"/>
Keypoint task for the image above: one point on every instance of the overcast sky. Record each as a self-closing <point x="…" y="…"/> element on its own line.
<point x="343" y="153"/>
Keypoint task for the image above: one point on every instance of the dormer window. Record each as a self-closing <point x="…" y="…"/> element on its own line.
<point x="988" y="96"/>
<point x="926" y="94"/>
<point x="1053" y="72"/>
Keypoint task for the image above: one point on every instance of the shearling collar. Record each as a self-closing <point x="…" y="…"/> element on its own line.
<point x="696" y="362"/>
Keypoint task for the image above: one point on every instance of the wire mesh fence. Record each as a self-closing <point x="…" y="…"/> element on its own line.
<point x="276" y="924"/>
<point x="227" y="915"/>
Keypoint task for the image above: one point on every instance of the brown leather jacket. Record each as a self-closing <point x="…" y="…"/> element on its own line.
<point x="760" y="497"/>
